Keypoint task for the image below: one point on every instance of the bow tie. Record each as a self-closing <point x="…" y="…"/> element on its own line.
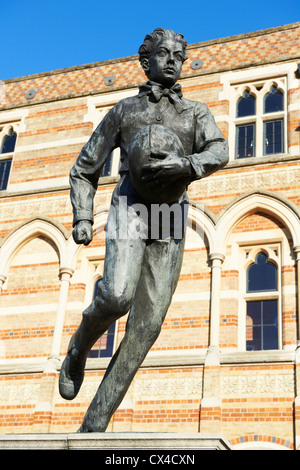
<point x="174" y="93"/>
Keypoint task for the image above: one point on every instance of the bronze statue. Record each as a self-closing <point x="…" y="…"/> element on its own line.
<point x="166" y="142"/>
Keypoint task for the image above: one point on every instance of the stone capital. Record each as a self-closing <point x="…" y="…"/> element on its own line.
<point x="65" y="273"/>
<point x="296" y="249"/>
<point x="217" y="256"/>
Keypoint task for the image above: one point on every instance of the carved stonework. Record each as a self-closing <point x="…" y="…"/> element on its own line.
<point x="248" y="180"/>
<point x="170" y="387"/>
<point x="257" y="384"/>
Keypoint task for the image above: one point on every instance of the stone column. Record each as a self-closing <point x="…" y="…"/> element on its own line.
<point x="216" y="268"/>
<point x="2" y="343"/>
<point x="43" y="413"/>
<point x="297" y="358"/>
<point x="2" y="281"/>
<point x="210" y="410"/>
<point x="297" y="253"/>
<point x="65" y="277"/>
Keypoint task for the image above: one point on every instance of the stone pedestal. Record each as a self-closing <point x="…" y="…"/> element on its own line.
<point x="154" y="442"/>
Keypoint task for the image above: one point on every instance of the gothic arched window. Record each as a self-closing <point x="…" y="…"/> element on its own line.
<point x="273" y="129"/>
<point x="262" y="313"/>
<point x="245" y="133"/>
<point x="260" y="118"/>
<point x="8" y="143"/>
<point x="7" y="147"/>
<point x="246" y="105"/>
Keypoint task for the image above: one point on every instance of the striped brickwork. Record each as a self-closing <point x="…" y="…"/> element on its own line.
<point x="198" y="375"/>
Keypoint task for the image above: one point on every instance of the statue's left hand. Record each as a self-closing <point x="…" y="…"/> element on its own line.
<point x="169" y="170"/>
<point x="83" y="232"/>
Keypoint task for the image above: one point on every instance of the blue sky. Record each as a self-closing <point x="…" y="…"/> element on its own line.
<point x="42" y="35"/>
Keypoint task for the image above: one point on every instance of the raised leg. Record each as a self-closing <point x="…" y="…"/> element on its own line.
<point x="159" y="276"/>
<point x="122" y="269"/>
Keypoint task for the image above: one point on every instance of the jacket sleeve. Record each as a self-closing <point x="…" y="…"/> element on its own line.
<point x="86" y="171"/>
<point x="210" y="146"/>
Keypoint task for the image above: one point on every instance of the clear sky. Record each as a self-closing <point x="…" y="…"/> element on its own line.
<point x="42" y="35"/>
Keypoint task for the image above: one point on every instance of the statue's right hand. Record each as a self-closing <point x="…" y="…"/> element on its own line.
<point x="83" y="232"/>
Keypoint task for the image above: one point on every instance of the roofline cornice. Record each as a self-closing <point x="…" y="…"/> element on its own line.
<point x="197" y="45"/>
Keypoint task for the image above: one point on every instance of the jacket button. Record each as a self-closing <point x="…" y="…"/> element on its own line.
<point x="158" y="117"/>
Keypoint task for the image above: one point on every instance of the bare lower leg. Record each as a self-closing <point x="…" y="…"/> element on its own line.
<point x="72" y="369"/>
<point x="118" y="377"/>
<point x="159" y="277"/>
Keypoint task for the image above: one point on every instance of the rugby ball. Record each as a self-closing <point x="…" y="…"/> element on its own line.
<point x="150" y="144"/>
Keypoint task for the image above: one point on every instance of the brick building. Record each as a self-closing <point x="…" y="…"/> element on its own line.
<point x="227" y="359"/>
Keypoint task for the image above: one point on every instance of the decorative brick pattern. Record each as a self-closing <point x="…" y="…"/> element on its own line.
<point x="239" y="394"/>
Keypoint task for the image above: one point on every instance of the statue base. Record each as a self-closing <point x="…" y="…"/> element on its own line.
<point x="152" y="442"/>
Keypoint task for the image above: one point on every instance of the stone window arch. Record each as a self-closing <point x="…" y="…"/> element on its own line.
<point x="8" y="138"/>
<point x="258" y="113"/>
<point x="262" y="303"/>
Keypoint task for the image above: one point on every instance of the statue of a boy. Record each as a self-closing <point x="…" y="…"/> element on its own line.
<point x="140" y="273"/>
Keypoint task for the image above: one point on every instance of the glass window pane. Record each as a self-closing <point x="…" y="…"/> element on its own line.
<point x="273" y="137"/>
<point x="255" y="343"/>
<point x="270" y="337"/>
<point x="245" y="106"/>
<point x="277" y="127"/>
<point x="273" y="101"/>
<point x="253" y="326"/>
<point x="262" y="325"/>
<point x="270" y="312"/>
<point x="254" y="313"/>
<point x="94" y="352"/>
<point x="5" y="166"/>
<point x="245" y="141"/>
<point x="261" y="275"/>
<point x="269" y="127"/>
<point x="9" y="142"/>
<point x="106" y="349"/>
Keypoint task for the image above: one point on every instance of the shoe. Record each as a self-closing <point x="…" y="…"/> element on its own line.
<point x="71" y="375"/>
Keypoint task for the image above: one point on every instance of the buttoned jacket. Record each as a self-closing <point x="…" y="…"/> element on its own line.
<point x="203" y="143"/>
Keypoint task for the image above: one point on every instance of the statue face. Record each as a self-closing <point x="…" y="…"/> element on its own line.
<point x="165" y="62"/>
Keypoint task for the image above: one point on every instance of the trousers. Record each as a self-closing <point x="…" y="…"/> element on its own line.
<point x="140" y="276"/>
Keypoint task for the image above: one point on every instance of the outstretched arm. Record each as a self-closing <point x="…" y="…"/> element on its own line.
<point x="85" y="174"/>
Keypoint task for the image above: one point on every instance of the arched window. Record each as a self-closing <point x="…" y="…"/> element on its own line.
<point x="245" y="137"/>
<point x="273" y="130"/>
<point x="262" y="313"/>
<point x="273" y="101"/>
<point x="245" y="105"/>
<point x="261" y="275"/>
<point x="259" y="118"/>
<point x="7" y="147"/>
<point x="105" y="345"/>
<point x="9" y="142"/>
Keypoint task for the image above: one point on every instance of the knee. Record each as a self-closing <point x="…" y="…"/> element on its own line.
<point x="120" y="304"/>
<point x="114" y="299"/>
<point x="114" y="305"/>
<point x="148" y="332"/>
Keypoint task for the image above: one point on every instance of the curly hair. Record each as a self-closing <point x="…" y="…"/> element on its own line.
<point x="158" y="34"/>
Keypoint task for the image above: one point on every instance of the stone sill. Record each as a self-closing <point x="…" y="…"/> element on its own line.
<point x="255" y="161"/>
<point x="112" y="180"/>
<point x="167" y="361"/>
<point x="104" y="181"/>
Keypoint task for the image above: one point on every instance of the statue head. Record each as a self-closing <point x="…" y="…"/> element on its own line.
<point x="162" y="55"/>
